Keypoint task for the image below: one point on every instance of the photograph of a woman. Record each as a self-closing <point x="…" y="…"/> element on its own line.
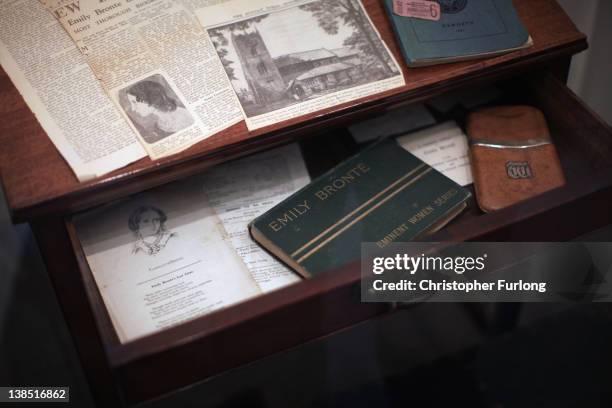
<point x="154" y="108"/>
<point x="148" y="224"/>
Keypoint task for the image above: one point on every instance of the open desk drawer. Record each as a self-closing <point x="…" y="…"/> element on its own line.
<point x="193" y="351"/>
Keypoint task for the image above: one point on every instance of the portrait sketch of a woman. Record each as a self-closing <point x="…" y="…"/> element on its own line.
<point x="148" y="225"/>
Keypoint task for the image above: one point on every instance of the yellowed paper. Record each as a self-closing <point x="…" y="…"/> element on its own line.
<point x="242" y="190"/>
<point x="183" y="250"/>
<point x="158" y="66"/>
<point x="286" y="59"/>
<point x="62" y="92"/>
<point x="162" y="258"/>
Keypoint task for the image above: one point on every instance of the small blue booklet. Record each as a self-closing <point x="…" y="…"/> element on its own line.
<point x="466" y="29"/>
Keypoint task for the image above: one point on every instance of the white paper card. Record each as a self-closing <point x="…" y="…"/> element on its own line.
<point x="162" y="258"/>
<point x="242" y="190"/>
<point x="444" y="147"/>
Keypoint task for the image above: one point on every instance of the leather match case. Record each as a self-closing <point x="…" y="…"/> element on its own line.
<point x="512" y="156"/>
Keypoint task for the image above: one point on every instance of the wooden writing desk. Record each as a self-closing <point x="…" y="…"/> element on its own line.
<point x="42" y="190"/>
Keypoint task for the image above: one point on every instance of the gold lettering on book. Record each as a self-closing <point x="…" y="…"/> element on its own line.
<point x="440" y="201"/>
<point x="416" y="218"/>
<point x="342" y="181"/>
<point x="421" y="214"/>
<point x="289" y="216"/>
<point x="361" y="215"/>
<point x="393" y="235"/>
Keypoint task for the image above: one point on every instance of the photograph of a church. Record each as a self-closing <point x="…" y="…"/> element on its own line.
<point x="279" y="59"/>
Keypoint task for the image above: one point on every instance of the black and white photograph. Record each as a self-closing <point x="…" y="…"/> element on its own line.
<point x="154" y="108"/>
<point x="283" y="58"/>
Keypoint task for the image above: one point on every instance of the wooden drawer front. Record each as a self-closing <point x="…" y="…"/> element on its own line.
<point x="229" y="337"/>
<point x="177" y="357"/>
<point x="248" y="340"/>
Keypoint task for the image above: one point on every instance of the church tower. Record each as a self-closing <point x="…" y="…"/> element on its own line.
<point x="262" y="75"/>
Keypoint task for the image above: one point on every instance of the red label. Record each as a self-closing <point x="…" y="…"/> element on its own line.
<point x="427" y="10"/>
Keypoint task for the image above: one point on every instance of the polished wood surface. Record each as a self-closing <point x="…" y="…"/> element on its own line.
<point x="313" y="308"/>
<point x="41" y="188"/>
<point x="37" y="181"/>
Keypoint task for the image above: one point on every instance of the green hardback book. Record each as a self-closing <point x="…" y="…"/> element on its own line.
<point x="383" y="194"/>
<point x="466" y="29"/>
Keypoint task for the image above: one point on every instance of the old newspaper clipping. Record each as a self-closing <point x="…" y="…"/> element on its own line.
<point x="158" y="65"/>
<point x="289" y="58"/>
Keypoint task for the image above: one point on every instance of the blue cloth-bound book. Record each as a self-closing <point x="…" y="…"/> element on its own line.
<point x="466" y="29"/>
<point x="383" y="194"/>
